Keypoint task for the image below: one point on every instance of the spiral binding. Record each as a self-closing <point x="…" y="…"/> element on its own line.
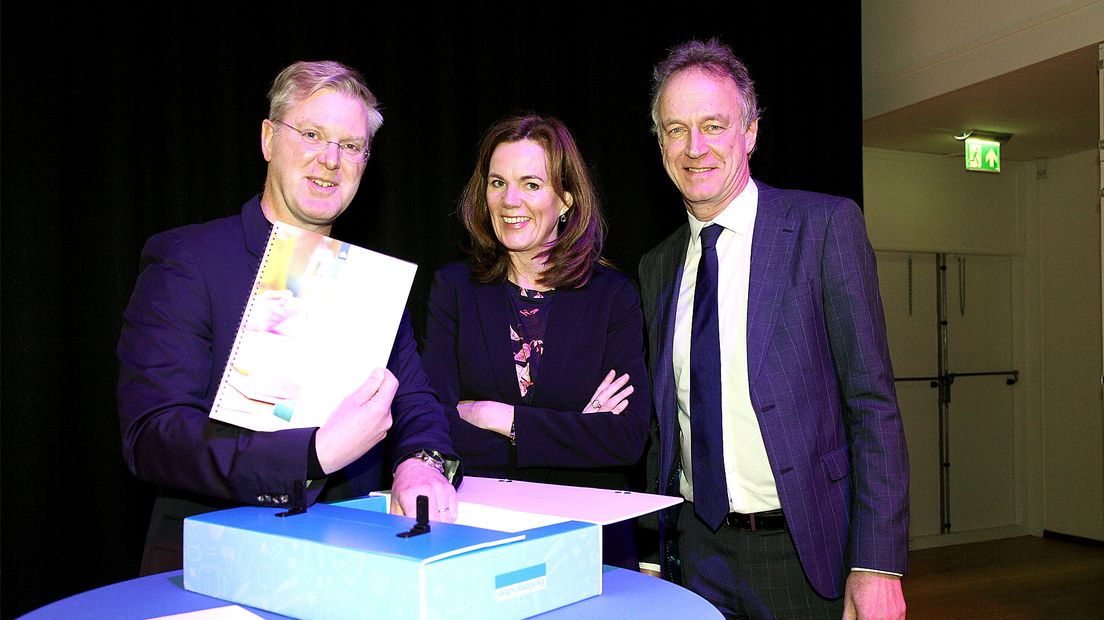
<point x="258" y="280"/>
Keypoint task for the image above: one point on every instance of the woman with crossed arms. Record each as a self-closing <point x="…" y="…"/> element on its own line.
<point x="536" y="345"/>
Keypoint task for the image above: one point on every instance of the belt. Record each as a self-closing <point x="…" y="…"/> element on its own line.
<point x="756" y="521"/>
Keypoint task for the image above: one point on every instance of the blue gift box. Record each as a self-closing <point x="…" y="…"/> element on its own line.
<point x="346" y="561"/>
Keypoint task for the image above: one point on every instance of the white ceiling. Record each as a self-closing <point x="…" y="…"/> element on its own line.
<point x="1051" y="108"/>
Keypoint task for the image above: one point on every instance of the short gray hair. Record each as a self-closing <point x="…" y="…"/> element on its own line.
<point x="300" y="80"/>
<point x="710" y="56"/>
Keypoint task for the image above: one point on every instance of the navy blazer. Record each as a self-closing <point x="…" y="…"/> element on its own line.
<point x="820" y="378"/>
<point x="468" y="355"/>
<point x="177" y="333"/>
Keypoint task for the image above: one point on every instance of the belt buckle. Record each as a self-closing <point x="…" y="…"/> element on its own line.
<point x="751" y="523"/>
<point x="740" y="521"/>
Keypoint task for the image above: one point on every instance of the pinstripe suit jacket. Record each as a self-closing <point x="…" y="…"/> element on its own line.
<point x="820" y="378"/>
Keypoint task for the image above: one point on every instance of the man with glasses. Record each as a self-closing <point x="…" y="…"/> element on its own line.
<point x="183" y="316"/>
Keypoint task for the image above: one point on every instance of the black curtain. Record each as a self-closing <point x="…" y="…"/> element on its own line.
<point x="119" y="123"/>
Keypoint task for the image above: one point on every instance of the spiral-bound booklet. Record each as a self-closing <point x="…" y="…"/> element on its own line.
<point x="321" y="316"/>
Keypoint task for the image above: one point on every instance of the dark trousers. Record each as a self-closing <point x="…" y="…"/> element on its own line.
<point x="744" y="574"/>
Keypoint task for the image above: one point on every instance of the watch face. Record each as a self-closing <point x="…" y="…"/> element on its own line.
<point x="433" y="458"/>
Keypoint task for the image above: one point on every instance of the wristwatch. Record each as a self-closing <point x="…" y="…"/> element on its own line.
<point x="432" y="458"/>
<point x="449" y="467"/>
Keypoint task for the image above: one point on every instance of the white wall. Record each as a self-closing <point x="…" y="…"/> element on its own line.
<point x="1068" y="221"/>
<point x="929" y="204"/>
<point x="1051" y="226"/>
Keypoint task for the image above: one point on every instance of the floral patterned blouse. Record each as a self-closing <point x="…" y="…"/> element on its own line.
<point x="527" y="334"/>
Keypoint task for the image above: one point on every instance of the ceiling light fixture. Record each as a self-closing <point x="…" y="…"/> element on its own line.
<point x="995" y="136"/>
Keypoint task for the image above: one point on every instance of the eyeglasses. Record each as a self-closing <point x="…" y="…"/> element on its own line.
<point x="351" y="152"/>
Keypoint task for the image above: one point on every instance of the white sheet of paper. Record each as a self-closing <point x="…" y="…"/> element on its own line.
<point x="514" y="506"/>
<point x="230" y="612"/>
<point x="601" y="506"/>
<point x="502" y="519"/>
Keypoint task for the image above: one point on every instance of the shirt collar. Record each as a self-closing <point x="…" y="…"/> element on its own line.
<point x="738" y="216"/>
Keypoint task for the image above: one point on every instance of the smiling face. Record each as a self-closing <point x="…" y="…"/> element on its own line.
<point x="704" y="145"/>
<point x="308" y="188"/>
<point x="522" y="202"/>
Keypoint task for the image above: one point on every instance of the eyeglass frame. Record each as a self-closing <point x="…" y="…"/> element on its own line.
<point x="320" y="144"/>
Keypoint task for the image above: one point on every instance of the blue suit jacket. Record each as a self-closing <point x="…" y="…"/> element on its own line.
<point x="468" y="355"/>
<point x="177" y="332"/>
<point x="820" y="379"/>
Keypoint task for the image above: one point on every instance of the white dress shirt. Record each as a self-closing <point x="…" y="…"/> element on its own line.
<point x="751" y="485"/>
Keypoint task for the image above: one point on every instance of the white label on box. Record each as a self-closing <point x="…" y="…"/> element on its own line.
<point x="520" y="583"/>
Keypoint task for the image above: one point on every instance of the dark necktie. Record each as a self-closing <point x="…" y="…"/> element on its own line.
<point x="707" y="456"/>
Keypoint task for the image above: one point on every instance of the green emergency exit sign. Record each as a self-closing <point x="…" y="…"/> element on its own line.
<point x="982" y="155"/>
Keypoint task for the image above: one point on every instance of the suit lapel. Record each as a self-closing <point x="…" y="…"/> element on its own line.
<point x="669" y="279"/>
<point x="772" y="246"/>
<point x="564" y="308"/>
<point x="493" y="308"/>
<point x="255" y="228"/>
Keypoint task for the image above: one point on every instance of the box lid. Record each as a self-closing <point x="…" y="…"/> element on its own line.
<point x="362" y="530"/>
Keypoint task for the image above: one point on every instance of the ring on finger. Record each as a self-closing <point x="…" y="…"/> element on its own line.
<point x="596" y="405"/>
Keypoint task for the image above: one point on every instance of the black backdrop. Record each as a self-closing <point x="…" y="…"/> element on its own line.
<point x="124" y="122"/>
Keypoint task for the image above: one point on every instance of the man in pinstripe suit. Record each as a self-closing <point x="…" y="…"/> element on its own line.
<point x="777" y="417"/>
